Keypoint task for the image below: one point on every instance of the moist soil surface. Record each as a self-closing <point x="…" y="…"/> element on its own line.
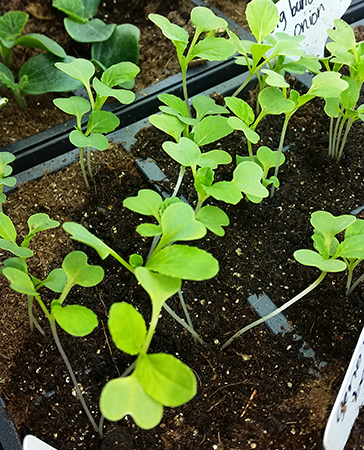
<point x="157" y="59"/>
<point x="260" y="392"/>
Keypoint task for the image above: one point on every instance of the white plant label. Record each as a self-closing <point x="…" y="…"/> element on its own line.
<point x="311" y="18"/>
<point x="348" y="401"/>
<point x="32" y="443"/>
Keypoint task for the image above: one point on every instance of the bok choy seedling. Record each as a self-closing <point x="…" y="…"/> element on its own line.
<point x="76" y="320"/>
<point x="344" y="110"/>
<point x="157" y="380"/>
<point x="99" y="122"/>
<point x="326" y="256"/>
<point x="5" y="171"/>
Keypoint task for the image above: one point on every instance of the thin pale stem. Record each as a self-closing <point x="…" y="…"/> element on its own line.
<point x="184" y="307"/>
<point x="181" y="174"/>
<point x="281" y="142"/>
<point x="354" y="285"/>
<point x="89" y="162"/>
<point x="237" y="92"/>
<point x="331" y="131"/>
<point x="183" y="323"/>
<point x="32" y="319"/>
<point x="343" y="142"/>
<point x="339" y="138"/>
<point x="72" y="375"/>
<point x="278" y="310"/>
<point x="82" y="164"/>
<point x="335" y="136"/>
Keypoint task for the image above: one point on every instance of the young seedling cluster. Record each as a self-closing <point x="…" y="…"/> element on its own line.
<point x="38" y="75"/>
<point x="330" y="256"/>
<point x="344" y="110"/>
<point x="99" y="122"/>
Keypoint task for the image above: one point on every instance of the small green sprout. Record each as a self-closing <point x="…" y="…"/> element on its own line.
<point x="99" y="122"/>
<point x="5" y="170"/>
<point x="326" y="256"/>
<point x="210" y="47"/>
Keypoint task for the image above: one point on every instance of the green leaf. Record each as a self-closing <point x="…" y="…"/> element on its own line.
<point x="123" y="396"/>
<point x="225" y="191"/>
<point x="7" y="228"/>
<point x="15" y="263"/>
<point x="262" y="17"/>
<point x="343" y="34"/>
<point x="178" y="223"/>
<point x="328" y="225"/>
<point x="185" y="152"/>
<point x="56" y="280"/>
<point x="6" y="77"/>
<point x="272" y="101"/>
<point x="166" y="379"/>
<point x="327" y="85"/>
<point x="76" y="320"/>
<point x="268" y="158"/>
<point x="355" y="229"/>
<point x="241" y="109"/>
<point x="351" y="247"/>
<point x="79" y="272"/>
<point x="238" y="124"/>
<point x="96" y="140"/>
<point x="205" y="20"/>
<point x="35" y="40"/>
<point x="211" y="129"/>
<point x="159" y="287"/>
<point x="147" y="202"/>
<point x="12" y="24"/>
<point x="123" y="96"/>
<point x="350" y="96"/>
<point x="43" y="76"/>
<point x="12" y="247"/>
<point x="127" y="328"/>
<point x="205" y="105"/>
<point x="169" y="124"/>
<point x="135" y="260"/>
<point x="40" y="222"/>
<point x="94" y="30"/>
<point x="247" y="176"/>
<point x="213" y="158"/>
<point x="275" y="79"/>
<point x="175" y="103"/>
<point x="332" y="107"/>
<point x="311" y="258"/>
<point x="120" y="73"/>
<point x="80" y="69"/>
<point x="36" y="223"/>
<point x="77" y="106"/>
<point x="213" y="49"/>
<point x="214" y="219"/>
<point x="185" y="262"/>
<point x="102" y="122"/>
<point x="121" y="46"/>
<point x="79" y="233"/>
<point x="148" y="229"/>
<point x="73" y="8"/>
<point x="171" y="31"/>
<point x="19" y="281"/>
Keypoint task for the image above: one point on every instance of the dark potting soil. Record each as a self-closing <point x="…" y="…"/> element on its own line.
<point x="157" y="55"/>
<point x="260" y="392"/>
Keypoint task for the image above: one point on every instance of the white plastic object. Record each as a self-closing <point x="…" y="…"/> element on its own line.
<point x="348" y="401"/>
<point x="310" y="19"/>
<point x="32" y="443"/>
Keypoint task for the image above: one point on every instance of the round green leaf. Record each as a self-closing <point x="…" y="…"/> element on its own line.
<point x="76" y="320"/>
<point x="127" y="328"/>
<point x="124" y="396"/>
<point x="79" y="272"/>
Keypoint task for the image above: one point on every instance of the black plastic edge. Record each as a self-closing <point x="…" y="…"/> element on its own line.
<point x="8" y="436"/>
